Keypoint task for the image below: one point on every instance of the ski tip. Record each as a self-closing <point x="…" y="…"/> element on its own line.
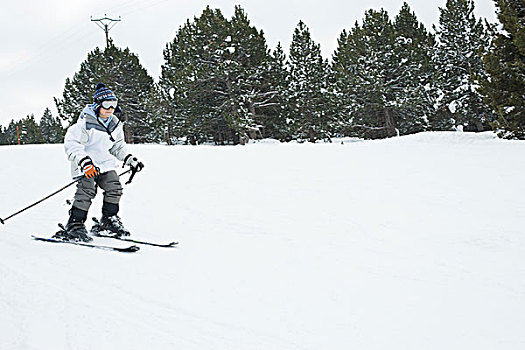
<point x="173" y="244"/>
<point x="38" y="238"/>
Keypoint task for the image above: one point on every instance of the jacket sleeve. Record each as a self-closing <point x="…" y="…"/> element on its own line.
<point x="119" y="149"/>
<point x="74" y="141"/>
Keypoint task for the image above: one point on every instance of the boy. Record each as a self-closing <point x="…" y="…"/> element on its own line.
<point x="92" y="144"/>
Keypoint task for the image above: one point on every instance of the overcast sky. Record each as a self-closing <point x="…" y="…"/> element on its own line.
<point x="43" y="42"/>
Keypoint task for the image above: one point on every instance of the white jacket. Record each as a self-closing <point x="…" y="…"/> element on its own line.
<point x="89" y="137"/>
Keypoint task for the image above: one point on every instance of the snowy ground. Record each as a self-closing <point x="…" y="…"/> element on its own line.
<point x="409" y="243"/>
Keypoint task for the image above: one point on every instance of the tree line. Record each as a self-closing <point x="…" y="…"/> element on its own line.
<point x="388" y="76"/>
<point x="28" y="131"/>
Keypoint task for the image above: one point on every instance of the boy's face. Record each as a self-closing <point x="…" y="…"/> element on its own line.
<point x="106" y="113"/>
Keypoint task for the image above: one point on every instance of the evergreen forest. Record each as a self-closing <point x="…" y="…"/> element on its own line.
<point x="220" y="83"/>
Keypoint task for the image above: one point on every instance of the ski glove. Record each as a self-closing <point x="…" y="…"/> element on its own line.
<point x="133" y="162"/>
<point x="88" y="168"/>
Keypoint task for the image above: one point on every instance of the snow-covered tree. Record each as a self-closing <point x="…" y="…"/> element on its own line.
<point x="10" y="133"/>
<point x="414" y="90"/>
<point x="192" y="85"/>
<point x="122" y="72"/>
<point x="28" y="131"/>
<point x="3" y="136"/>
<point x="461" y="41"/>
<point x="216" y="82"/>
<point x="309" y="111"/>
<point x="51" y="128"/>
<point x="505" y="62"/>
<point x="247" y="74"/>
<point x="273" y="118"/>
<point x="382" y="75"/>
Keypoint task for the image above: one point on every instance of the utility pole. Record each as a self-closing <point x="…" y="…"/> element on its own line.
<point x="106" y="24"/>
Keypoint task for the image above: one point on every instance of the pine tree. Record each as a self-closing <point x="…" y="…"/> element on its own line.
<point x="158" y="119"/>
<point x="414" y="92"/>
<point x="171" y="116"/>
<point x="3" y="136"/>
<point x="246" y="75"/>
<point x="192" y="84"/>
<point x="29" y="131"/>
<point x="310" y="113"/>
<point x="122" y="72"/>
<point x="10" y="133"/>
<point x="343" y="78"/>
<point x="505" y="62"/>
<point x="461" y="42"/>
<point x="366" y="75"/>
<point x="214" y="83"/>
<point x="51" y="128"/>
<point x="383" y="76"/>
<point x="274" y="118"/>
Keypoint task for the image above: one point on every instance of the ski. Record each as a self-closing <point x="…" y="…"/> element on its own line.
<point x="97" y="232"/>
<point x="168" y="245"/>
<point x="130" y="249"/>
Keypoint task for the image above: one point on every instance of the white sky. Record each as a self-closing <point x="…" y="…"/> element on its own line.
<point x="43" y="42"/>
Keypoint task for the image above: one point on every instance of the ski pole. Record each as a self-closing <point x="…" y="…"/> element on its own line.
<point x="133" y="172"/>
<point x="47" y="197"/>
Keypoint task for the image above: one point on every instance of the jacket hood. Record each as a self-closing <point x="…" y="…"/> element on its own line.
<point x="89" y="111"/>
<point x="94" y="122"/>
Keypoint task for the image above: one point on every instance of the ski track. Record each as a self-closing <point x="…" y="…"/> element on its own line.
<point x="408" y="243"/>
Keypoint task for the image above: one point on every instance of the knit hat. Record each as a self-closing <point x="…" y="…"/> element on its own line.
<point x="103" y="94"/>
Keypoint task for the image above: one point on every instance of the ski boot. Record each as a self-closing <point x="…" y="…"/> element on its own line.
<point x="109" y="226"/>
<point x="75" y="229"/>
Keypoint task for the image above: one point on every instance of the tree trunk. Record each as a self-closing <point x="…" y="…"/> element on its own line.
<point x="168" y="135"/>
<point x="127" y="129"/>
<point x="389" y="123"/>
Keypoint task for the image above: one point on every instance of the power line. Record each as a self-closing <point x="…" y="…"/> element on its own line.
<point x="106" y="24"/>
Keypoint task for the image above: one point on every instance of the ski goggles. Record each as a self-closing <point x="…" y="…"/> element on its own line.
<point x="109" y="104"/>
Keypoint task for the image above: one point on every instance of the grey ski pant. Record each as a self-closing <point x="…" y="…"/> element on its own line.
<point x="87" y="190"/>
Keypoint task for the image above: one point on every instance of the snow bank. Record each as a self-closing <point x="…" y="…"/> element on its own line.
<point x="448" y="137"/>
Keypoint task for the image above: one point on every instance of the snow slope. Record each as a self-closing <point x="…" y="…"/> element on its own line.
<point x="408" y="243"/>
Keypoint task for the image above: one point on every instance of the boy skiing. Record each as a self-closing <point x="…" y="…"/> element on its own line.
<point x="92" y="144"/>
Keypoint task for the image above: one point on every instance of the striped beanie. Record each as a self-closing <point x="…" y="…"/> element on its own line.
<point x="103" y="94"/>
